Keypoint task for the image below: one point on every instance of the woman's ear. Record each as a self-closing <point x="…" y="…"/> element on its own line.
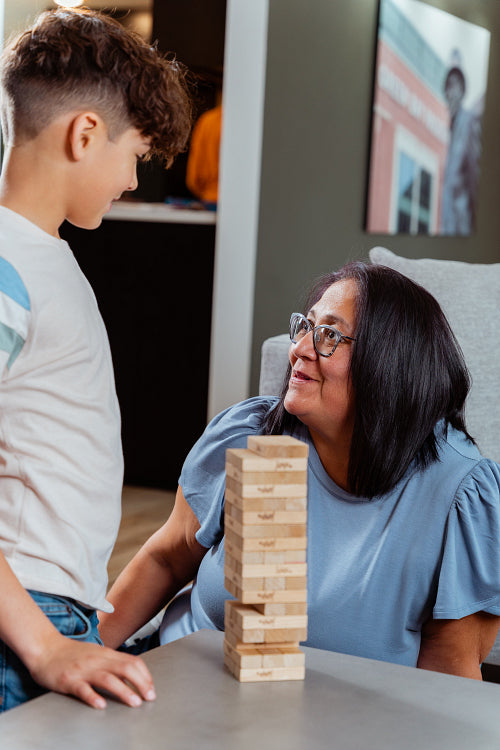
<point x="85" y="130"/>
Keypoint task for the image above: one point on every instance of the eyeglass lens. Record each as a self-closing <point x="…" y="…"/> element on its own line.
<point x="325" y="338"/>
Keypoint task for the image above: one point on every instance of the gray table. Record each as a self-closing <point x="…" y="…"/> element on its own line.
<point x="345" y="703"/>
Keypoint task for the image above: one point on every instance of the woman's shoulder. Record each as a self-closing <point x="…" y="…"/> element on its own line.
<point x="476" y="477"/>
<point x="245" y="415"/>
<point x="229" y="429"/>
<point x="481" y="485"/>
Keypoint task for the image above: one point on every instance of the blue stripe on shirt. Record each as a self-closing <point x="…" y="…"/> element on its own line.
<point x="12" y="285"/>
<point x="10" y="342"/>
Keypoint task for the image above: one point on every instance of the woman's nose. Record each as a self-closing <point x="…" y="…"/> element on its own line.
<point x="304" y="348"/>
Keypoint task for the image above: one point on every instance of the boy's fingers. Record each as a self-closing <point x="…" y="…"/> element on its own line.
<point x="115" y="686"/>
<point x="79" y="667"/>
<point x="88" y="695"/>
<point x="134" y="671"/>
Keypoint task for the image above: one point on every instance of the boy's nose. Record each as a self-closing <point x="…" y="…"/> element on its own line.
<point x="134" y="181"/>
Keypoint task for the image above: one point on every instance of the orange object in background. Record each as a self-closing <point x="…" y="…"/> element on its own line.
<point x="202" y="172"/>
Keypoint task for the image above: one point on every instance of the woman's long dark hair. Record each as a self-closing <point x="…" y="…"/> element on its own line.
<point x="407" y="373"/>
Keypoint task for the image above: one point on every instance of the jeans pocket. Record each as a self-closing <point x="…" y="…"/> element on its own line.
<point x="69" y="619"/>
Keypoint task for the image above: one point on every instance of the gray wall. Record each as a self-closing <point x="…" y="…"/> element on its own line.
<point x="316" y="136"/>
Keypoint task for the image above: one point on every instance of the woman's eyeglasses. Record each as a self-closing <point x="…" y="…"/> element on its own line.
<point x="325" y="338"/>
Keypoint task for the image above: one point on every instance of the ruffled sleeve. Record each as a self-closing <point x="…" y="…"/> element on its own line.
<point x="469" y="579"/>
<point x="203" y="474"/>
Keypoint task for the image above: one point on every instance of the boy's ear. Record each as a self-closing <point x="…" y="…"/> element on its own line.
<point x="84" y="130"/>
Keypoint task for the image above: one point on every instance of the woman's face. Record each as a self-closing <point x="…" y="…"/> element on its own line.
<point x="319" y="390"/>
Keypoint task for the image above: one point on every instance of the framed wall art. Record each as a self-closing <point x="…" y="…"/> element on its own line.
<point x="429" y="93"/>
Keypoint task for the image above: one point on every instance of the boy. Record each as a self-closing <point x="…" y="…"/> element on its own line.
<point x="82" y="100"/>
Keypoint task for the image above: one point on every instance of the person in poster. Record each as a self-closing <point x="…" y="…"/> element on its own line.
<point x="461" y="175"/>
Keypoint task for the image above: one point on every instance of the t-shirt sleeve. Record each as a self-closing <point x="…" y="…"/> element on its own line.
<point x="469" y="579"/>
<point x="14" y="315"/>
<point x="203" y="474"/>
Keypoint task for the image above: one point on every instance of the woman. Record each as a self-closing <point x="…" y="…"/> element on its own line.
<point x="403" y="512"/>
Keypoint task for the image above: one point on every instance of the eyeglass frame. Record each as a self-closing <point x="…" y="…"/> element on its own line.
<point x="312" y="329"/>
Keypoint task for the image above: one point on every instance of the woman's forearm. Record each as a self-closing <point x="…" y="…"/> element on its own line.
<point x="138" y="594"/>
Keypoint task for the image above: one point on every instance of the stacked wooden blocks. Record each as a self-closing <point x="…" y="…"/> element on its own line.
<point x="265" y="559"/>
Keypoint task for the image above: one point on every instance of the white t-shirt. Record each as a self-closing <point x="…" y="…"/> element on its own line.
<point x="61" y="462"/>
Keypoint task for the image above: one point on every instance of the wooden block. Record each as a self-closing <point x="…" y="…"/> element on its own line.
<point x="282" y="608"/>
<point x="251" y="557"/>
<point x="265" y="477"/>
<point x="246" y="460"/>
<point x="265" y="516"/>
<point x="296" y="503"/>
<point x="231" y="638"/>
<point x="265" y="503"/>
<point x="282" y="657"/>
<point x="264" y="674"/>
<point x="266" y="583"/>
<point x="284" y="556"/>
<point x="249" y="656"/>
<point x="256" y="636"/>
<point x="248" y="584"/>
<point x="247" y="617"/>
<point x="247" y="636"/>
<point x="265" y="530"/>
<point x="263" y="556"/>
<point x="265" y="570"/>
<point x="285" y="634"/>
<point x="268" y="489"/>
<point x="251" y="585"/>
<point x="266" y="544"/>
<point x="277" y="446"/>
<point x="296" y="583"/>
<point x="262" y="596"/>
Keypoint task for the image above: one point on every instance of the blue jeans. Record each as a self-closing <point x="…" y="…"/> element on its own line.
<point x="71" y="619"/>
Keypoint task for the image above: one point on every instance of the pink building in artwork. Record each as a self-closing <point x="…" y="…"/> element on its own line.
<point x="410" y="132"/>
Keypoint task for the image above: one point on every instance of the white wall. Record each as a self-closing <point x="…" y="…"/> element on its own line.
<point x="20" y="13"/>
<point x="237" y="218"/>
<point x="2" y="13"/>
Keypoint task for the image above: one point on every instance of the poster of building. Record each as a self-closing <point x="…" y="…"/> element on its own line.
<point x="429" y="94"/>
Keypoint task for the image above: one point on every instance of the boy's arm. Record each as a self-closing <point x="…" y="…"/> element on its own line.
<point x="62" y="664"/>
<point x="166" y="562"/>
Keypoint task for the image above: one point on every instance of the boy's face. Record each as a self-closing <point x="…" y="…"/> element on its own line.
<point x="109" y="169"/>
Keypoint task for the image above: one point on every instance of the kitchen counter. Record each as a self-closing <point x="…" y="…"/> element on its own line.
<point x="159" y="212"/>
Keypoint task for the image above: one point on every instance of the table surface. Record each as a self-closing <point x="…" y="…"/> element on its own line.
<point x="345" y="702"/>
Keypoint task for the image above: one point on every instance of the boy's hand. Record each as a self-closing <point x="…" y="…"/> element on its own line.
<point x="75" y="668"/>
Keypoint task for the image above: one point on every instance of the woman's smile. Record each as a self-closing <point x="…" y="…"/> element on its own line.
<point x="301" y="377"/>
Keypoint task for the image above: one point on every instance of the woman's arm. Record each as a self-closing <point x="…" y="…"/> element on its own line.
<point x="166" y="562"/>
<point x="458" y="646"/>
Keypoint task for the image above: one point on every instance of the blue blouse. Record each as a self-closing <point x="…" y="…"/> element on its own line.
<point x="377" y="569"/>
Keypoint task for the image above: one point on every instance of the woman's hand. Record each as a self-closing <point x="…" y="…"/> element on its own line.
<point x="78" y="669"/>
<point x="458" y="646"/>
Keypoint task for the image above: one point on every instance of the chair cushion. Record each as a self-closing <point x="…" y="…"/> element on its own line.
<point x="469" y="294"/>
<point x="273" y="364"/>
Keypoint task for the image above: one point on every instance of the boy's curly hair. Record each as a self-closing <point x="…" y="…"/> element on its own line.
<point x="79" y="59"/>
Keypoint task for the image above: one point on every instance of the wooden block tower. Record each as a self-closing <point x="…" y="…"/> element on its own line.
<point x="265" y="559"/>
